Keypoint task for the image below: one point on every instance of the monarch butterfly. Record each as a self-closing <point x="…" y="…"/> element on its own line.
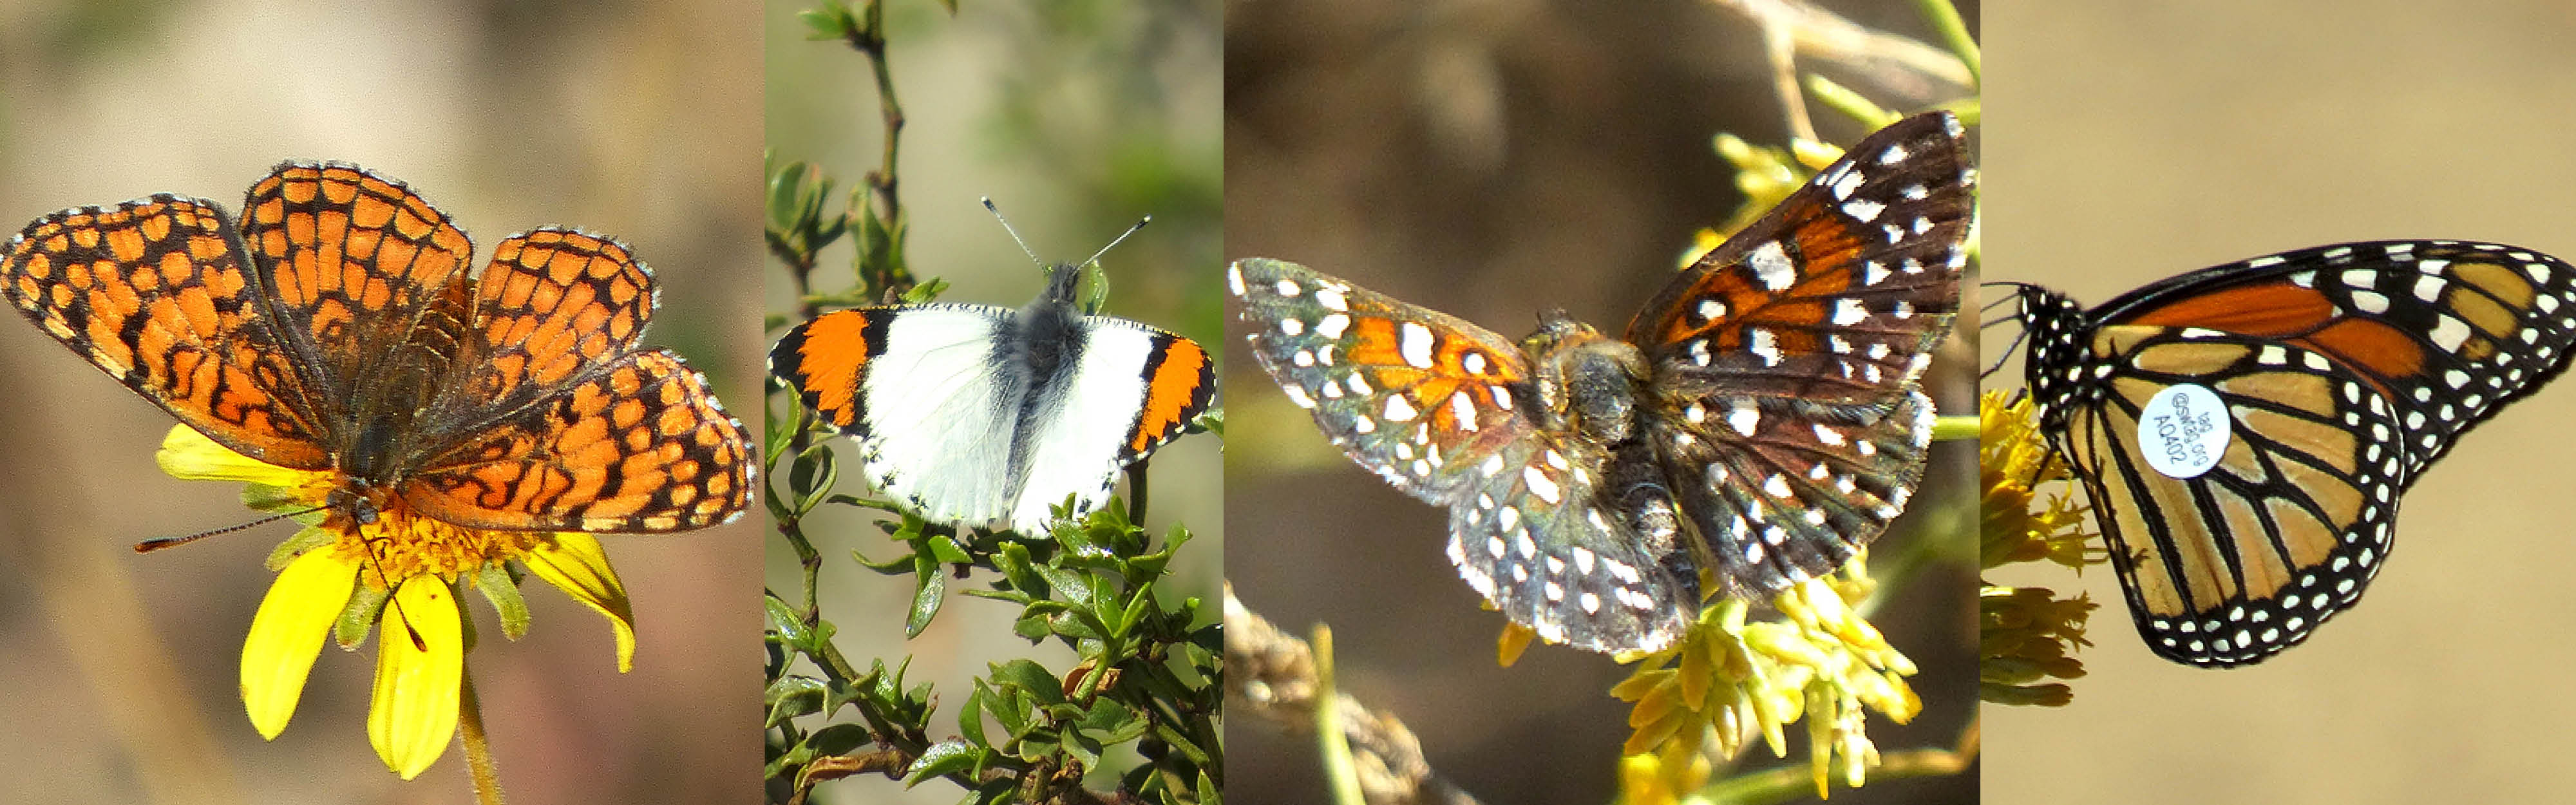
<point x="2244" y="431"/>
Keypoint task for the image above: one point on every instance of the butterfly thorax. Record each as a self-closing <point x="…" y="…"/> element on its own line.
<point x="2053" y="323"/>
<point x="1587" y="383"/>
<point x="1048" y="327"/>
<point x="1590" y="385"/>
<point x="379" y="438"/>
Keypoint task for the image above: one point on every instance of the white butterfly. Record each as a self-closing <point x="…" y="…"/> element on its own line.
<point x="978" y="414"/>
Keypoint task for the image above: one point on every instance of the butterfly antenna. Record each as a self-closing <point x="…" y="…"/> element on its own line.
<point x="1990" y="306"/>
<point x="1015" y="234"/>
<point x="393" y="599"/>
<point x="150" y="545"/>
<point x="1122" y="237"/>
<point x="2006" y="356"/>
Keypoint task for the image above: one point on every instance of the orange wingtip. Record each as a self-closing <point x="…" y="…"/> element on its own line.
<point x="829" y="354"/>
<point x="1177" y="384"/>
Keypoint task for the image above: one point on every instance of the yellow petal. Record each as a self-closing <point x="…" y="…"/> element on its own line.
<point x="414" y="716"/>
<point x="287" y="634"/>
<point x="575" y="563"/>
<point x="188" y="455"/>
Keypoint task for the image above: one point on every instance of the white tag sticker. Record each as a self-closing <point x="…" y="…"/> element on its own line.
<point x="2184" y="430"/>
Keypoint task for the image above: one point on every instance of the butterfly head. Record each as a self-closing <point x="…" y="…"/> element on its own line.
<point x="355" y="503"/>
<point x="1587" y="382"/>
<point x="2054" y="324"/>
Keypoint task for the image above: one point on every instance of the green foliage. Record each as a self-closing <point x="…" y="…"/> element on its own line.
<point x="1144" y="677"/>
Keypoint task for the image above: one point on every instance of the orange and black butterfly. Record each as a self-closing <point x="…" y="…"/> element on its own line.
<point x="2244" y="432"/>
<point x="337" y="325"/>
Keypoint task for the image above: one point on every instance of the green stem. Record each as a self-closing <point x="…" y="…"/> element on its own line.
<point x="1954" y="31"/>
<point x="478" y="749"/>
<point x="1339" y="770"/>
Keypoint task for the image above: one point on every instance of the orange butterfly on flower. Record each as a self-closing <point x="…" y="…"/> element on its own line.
<point x="431" y="423"/>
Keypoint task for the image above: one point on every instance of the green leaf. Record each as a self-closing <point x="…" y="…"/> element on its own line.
<point x="1109" y="716"/>
<point x="996" y="791"/>
<point x="305" y="539"/>
<point x="1038" y="745"/>
<point x="1136" y="611"/>
<point x="366" y="605"/>
<point x="792" y="697"/>
<point x="932" y="589"/>
<point x="1034" y="626"/>
<point x="945" y="549"/>
<point x="970" y="716"/>
<point x="1213" y="421"/>
<point x="503" y="591"/>
<point x="814" y="476"/>
<point x="944" y="757"/>
<point x="1013" y="561"/>
<point x="1067" y="585"/>
<point x="1010" y="708"/>
<point x="838" y="739"/>
<point x="1027" y="675"/>
<point x="926" y="291"/>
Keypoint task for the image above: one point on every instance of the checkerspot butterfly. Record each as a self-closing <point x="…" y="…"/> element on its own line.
<point x="335" y="326"/>
<point x="1759" y="421"/>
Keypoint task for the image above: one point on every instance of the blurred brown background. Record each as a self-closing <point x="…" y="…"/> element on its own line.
<point x="1491" y="158"/>
<point x="638" y="119"/>
<point x="1076" y="118"/>
<point x="2138" y="141"/>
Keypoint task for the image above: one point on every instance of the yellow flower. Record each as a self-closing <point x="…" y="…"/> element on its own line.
<point x="1766" y="176"/>
<point x="2027" y="635"/>
<point x="1729" y="681"/>
<point x="404" y="572"/>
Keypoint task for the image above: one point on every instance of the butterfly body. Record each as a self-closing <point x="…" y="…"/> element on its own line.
<point x="977" y="414"/>
<point x="1757" y="422"/>
<point x="2333" y="377"/>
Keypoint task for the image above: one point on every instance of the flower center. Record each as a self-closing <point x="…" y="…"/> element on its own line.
<point x="403" y="543"/>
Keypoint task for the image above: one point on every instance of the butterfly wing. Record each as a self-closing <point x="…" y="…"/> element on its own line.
<point x="920" y="389"/>
<point x="1531" y="535"/>
<point x="638" y="444"/>
<point x="1839" y="293"/>
<point x="1783" y="490"/>
<point x="1439" y="408"/>
<point x="552" y="420"/>
<point x="2343" y="371"/>
<point x="351" y="264"/>
<point x="1130" y="390"/>
<point x="158" y="292"/>
<point x="1790" y="353"/>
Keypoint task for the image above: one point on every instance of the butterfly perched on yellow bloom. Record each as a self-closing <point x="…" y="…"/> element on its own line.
<point x="433" y="423"/>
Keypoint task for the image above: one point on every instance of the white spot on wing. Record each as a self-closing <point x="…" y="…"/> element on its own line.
<point x="1415" y="345"/>
<point x="1771" y="266"/>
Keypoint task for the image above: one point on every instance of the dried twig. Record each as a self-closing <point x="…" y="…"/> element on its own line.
<point x="1271" y="675"/>
<point x="1793" y="28"/>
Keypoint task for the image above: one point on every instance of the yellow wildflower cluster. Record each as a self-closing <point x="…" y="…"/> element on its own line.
<point x="2028" y="634"/>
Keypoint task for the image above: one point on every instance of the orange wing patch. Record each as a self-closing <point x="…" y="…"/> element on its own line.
<point x="824" y="359"/>
<point x="1176" y="388"/>
<point x="353" y="258"/>
<point x="155" y="294"/>
<point x="554" y="303"/>
<point x="641" y="446"/>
